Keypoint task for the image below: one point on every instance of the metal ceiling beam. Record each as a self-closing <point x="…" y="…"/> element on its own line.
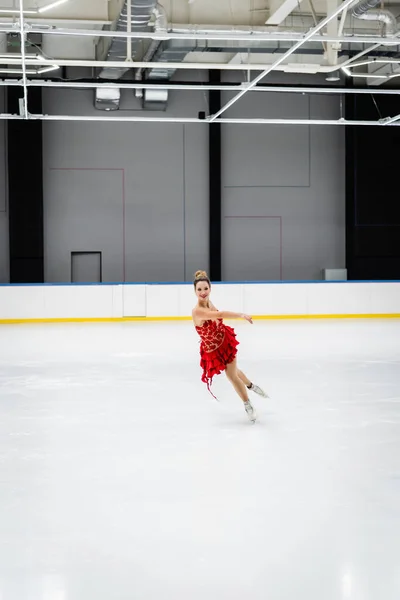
<point x="188" y="66"/>
<point x="146" y="119"/>
<point x="199" y="87"/>
<point x="24" y="78"/>
<point x="284" y="56"/>
<point x="391" y="120"/>
<point x="50" y="21"/>
<point x="239" y="37"/>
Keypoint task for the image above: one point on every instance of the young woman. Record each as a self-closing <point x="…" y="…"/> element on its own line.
<point x="218" y="347"/>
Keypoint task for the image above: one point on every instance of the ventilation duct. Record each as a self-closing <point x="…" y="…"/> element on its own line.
<point x="171" y="51"/>
<point x="176" y="50"/>
<point x="155" y="52"/>
<point x="366" y="10"/>
<point x="141" y="13"/>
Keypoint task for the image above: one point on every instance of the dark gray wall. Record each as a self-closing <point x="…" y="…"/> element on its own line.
<point x="141" y="188"/>
<point x="283" y="190"/>
<point x="4" y="254"/>
<point x="284" y="194"/>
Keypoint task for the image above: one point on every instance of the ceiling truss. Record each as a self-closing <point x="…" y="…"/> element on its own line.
<point x="333" y="38"/>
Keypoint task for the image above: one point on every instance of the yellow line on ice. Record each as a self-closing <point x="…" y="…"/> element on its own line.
<point x="144" y="319"/>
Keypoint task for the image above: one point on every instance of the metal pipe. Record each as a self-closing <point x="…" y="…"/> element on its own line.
<point x="365" y="9"/>
<point x="182" y="65"/>
<point x="391" y="120"/>
<point x="199" y="87"/>
<point x="129" y="30"/>
<point x="169" y="65"/>
<point x="134" y="119"/>
<point x="205" y="87"/>
<point x="280" y="60"/>
<point x="160" y="25"/>
<point x="24" y="78"/>
<point x="384" y="16"/>
<point x="269" y="37"/>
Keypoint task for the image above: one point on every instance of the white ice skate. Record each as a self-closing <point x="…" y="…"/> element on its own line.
<point x="257" y="390"/>
<point x="251" y="413"/>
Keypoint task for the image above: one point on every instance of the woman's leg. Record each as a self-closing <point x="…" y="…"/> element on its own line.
<point x="232" y="374"/>
<point x="243" y="378"/>
<point x="250" y="385"/>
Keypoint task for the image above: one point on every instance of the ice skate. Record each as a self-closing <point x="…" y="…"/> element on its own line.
<point x="257" y="390"/>
<point x="251" y="413"/>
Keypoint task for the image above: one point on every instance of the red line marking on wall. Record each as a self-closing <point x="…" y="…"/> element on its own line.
<point x="122" y="171"/>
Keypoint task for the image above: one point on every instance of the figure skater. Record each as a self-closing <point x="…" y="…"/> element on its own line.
<point x="218" y="347"/>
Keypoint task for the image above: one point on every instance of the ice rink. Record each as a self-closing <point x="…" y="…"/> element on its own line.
<point x="121" y="478"/>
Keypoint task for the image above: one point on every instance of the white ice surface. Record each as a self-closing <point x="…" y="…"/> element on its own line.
<point x="121" y="478"/>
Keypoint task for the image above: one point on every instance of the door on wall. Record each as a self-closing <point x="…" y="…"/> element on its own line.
<point x="86" y="267"/>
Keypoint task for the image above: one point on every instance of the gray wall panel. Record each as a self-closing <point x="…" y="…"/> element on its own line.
<point x="165" y="191"/>
<point x="293" y="173"/>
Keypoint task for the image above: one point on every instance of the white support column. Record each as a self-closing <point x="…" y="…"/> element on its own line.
<point x="332" y="30"/>
<point x="280" y="9"/>
<point x="24" y="111"/>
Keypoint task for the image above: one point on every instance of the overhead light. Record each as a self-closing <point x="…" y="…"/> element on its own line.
<point x="301" y="68"/>
<point x="385" y="61"/>
<point x="11" y="11"/>
<point x="42" y="9"/>
<point x="47" y="69"/>
<point x="30" y="71"/>
<point x="18" y="72"/>
<point x="333" y="77"/>
<point x="37" y="71"/>
<point x="19" y="55"/>
<point x="52" y="5"/>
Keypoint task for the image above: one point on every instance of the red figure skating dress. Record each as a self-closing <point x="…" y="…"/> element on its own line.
<point x="218" y="348"/>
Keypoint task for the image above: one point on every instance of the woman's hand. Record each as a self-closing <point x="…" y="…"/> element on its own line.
<point x="248" y="318"/>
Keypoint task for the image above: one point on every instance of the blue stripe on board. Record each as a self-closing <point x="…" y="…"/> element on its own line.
<point x="289" y="282"/>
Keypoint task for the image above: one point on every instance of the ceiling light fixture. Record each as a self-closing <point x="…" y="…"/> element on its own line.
<point x="384" y="61"/>
<point x="30" y="71"/>
<point x="18" y="55"/>
<point x="51" y="5"/>
<point x="42" y="9"/>
<point x="48" y="69"/>
<point x="36" y="71"/>
<point x="18" y="71"/>
<point x="11" y="11"/>
<point x="333" y="77"/>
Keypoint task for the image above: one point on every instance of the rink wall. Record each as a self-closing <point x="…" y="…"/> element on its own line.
<point x="269" y="300"/>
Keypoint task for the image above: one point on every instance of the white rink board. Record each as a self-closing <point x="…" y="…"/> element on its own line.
<point x="133" y="300"/>
<point x="119" y="301"/>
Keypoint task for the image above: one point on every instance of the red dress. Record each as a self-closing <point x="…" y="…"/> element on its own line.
<point x="218" y="348"/>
